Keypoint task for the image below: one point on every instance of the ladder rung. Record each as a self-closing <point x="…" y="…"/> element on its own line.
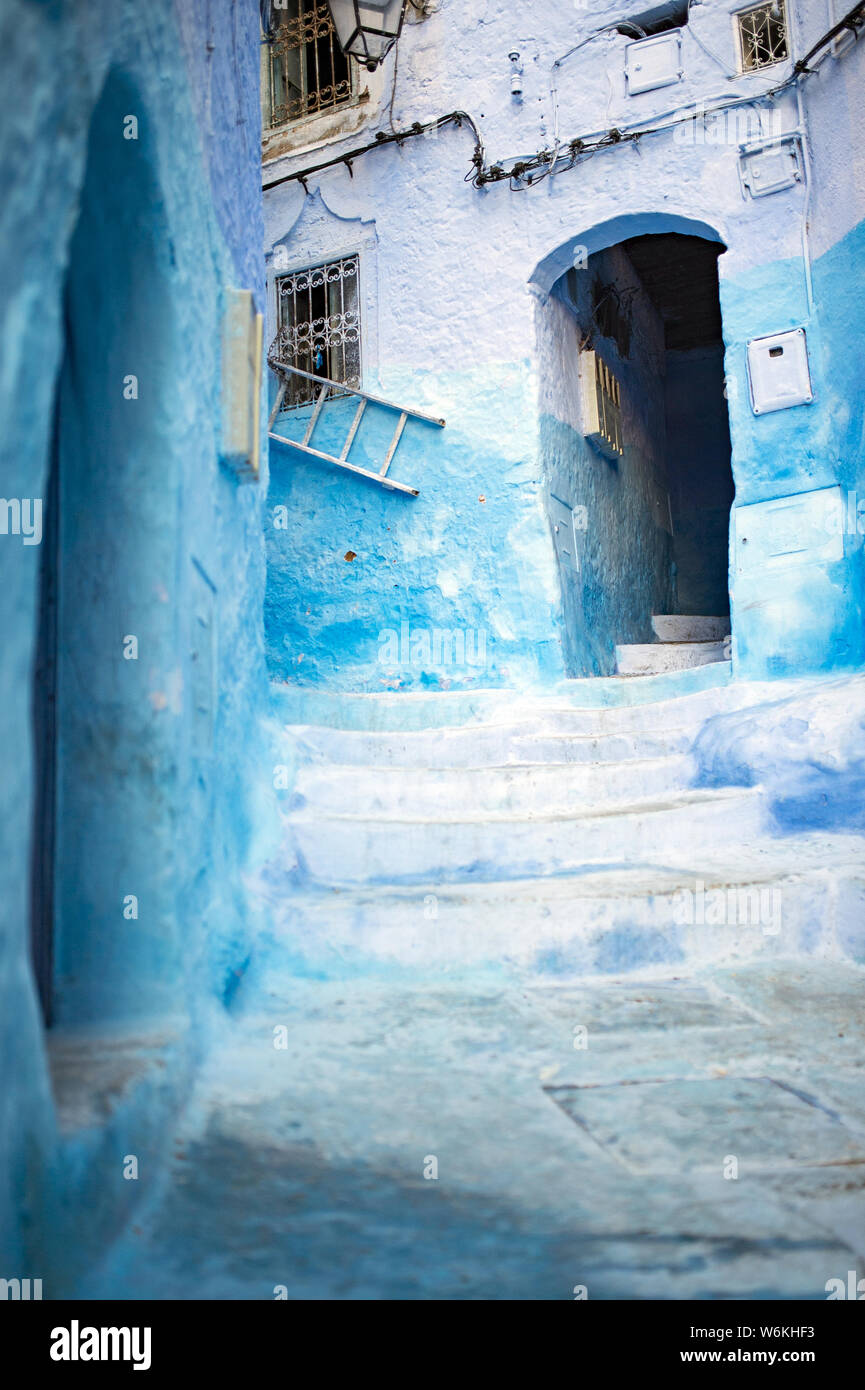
<point x="280" y="397"/>
<point x="313" y="419"/>
<point x="397" y="434"/>
<point x="340" y="463"/>
<point x="353" y="431"/>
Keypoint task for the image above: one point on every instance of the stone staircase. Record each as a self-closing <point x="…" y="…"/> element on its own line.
<point x="545" y="833"/>
<point x="683" y="642"/>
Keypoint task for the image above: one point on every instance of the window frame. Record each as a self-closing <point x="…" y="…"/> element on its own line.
<point x="739" y="14"/>
<point x="271" y="126"/>
<point x="350" y="381"/>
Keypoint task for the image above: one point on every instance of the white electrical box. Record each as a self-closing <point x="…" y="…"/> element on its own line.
<point x="655" y="62"/>
<point x="778" y="371"/>
<point x="772" y="167"/>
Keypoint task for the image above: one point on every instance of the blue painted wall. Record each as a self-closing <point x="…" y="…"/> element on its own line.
<point x="806" y="617"/>
<point x="116" y="254"/>
<point x="345" y="605"/>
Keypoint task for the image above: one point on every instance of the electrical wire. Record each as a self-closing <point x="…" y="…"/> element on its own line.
<point x="596" y="141"/>
<point x="542" y="165"/>
<point x="458" y="118"/>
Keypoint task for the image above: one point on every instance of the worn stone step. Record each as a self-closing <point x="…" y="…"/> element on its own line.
<point x="686" y="627"/>
<point x="700" y="690"/>
<point x="792" y="897"/>
<point x="523" y="729"/>
<point x="651" y="658"/>
<point x="356" y="849"/>
<point x="528" y="790"/>
<point x="405" y="710"/>
<point x="482" y="747"/>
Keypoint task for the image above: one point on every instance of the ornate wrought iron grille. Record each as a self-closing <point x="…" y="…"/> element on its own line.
<point x="318" y="326"/>
<point x="307" y="70"/>
<point x="763" y="35"/>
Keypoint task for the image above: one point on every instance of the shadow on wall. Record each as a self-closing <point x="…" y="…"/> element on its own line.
<point x="106" y="730"/>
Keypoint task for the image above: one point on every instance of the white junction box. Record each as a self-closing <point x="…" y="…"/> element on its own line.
<point x="778" y="371"/>
<point x="772" y="167"/>
<point x="655" y="62"/>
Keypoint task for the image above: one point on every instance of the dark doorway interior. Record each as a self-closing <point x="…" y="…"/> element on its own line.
<point x="680" y="276"/>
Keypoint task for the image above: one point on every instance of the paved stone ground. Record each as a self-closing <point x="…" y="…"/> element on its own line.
<point x="599" y="1165"/>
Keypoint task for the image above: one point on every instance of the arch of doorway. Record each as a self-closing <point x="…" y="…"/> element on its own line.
<point x="601" y="235"/>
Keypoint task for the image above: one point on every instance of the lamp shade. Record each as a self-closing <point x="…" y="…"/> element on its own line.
<point x="367" y="29"/>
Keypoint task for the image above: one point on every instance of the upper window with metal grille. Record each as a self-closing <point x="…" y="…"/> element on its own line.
<point x="305" y="70"/>
<point x="318" y="327"/>
<point x="762" y="35"/>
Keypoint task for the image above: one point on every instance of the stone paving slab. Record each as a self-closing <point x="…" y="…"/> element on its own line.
<point x="823" y="997"/>
<point x="618" y="1006"/>
<point x="679" y="1126"/>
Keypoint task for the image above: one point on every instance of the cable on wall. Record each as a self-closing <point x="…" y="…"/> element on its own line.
<point x="543" y="164"/>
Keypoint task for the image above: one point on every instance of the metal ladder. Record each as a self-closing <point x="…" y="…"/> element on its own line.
<point x="341" y="460"/>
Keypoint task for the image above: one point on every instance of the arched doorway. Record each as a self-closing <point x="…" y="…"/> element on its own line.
<point x="102" y="917"/>
<point x="635" y="441"/>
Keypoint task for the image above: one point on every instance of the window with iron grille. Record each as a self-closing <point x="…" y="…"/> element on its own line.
<point x="762" y="35"/>
<point x="318" y="327"/>
<point x="306" y="70"/>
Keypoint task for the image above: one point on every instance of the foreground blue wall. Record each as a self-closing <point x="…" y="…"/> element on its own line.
<point x="116" y="255"/>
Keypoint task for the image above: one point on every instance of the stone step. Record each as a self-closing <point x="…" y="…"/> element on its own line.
<point x="531" y="790"/>
<point x="651" y="658"/>
<point x="799" y="896"/>
<point x="526" y="730"/>
<point x="707" y="688"/>
<point x="572" y="749"/>
<point x="332" y="849"/>
<point x="685" y="627"/>
<point x="478" y="748"/>
<point x="405" y="710"/>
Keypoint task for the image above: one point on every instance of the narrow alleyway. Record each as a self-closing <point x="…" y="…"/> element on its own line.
<point x="534" y="1083"/>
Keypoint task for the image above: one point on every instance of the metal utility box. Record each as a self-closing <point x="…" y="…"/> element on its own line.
<point x="655" y="62"/>
<point x="778" y="371"/>
<point x="772" y="167"/>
